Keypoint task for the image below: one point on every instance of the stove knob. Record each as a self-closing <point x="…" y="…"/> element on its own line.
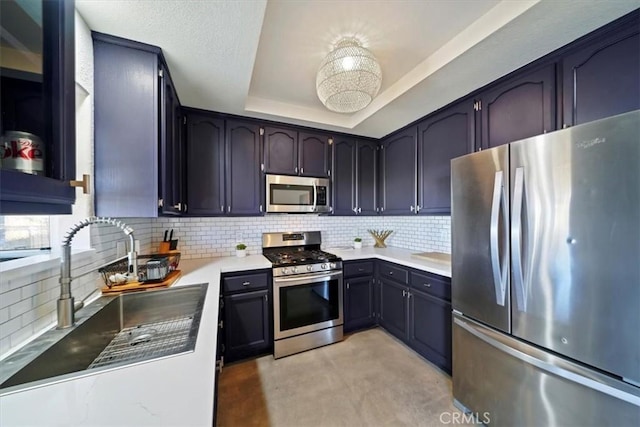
<point x="332" y="265"/>
<point x="323" y="266"/>
<point x="294" y="270"/>
<point x="309" y="267"/>
<point x="284" y="270"/>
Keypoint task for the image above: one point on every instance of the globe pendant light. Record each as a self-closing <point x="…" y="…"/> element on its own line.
<point x="349" y="77"/>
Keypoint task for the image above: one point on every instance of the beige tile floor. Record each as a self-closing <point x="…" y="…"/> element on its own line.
<point x="369" y="379"/>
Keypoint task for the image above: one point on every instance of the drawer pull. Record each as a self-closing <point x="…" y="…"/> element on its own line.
<point x="391" y="273"/>
<point x="246" y="283"/>
<point x="361" y="269"/>
<point x="428" y="285"/>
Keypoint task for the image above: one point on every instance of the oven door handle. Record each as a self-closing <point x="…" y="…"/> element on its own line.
<point x="311" y="278"/>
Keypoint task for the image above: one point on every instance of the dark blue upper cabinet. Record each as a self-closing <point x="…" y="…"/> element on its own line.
<point x="41" y="102"/>
<point x="344" y="178"/>
<point x="366" y="177"/>
<point x="442" y="137"/>
<point x="518" y="108"/>
<point x="313" y="154"/>
<point x="398" y="173"/>
<point x="171" y="149"/>
<point x="280" y="151"/>
<point x="602" y="78"/>
<point x="243" y="176"/>
<point x="204" y="164"/>
<point x="289" y="152"/>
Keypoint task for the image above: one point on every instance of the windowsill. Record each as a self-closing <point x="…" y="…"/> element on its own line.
<point x="35" y="264"/>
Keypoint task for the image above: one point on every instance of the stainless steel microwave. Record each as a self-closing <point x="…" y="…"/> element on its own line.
<point x="297" y="194"/>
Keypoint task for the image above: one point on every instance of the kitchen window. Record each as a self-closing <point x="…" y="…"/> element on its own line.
<point x="23" y="236"/>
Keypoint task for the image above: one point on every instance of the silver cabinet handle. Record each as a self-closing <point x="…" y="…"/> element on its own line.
<point x="418" y="207"/>
<point x="499" y="276"/>
<point x="301" y="170"/>
<point x="516" y="237"/>
<point x="411" y="208"/>
<point x="359" y="210"/>
<point x="361" y="269"/>
<point x="229" y="208"/>
<point x="404" y="293"/>
<point x="355" y="210"/>
<point x="391" y="273"/>
<point x="178" y="206"/>
<point x="428" y="285"/>
<point x="185" y="207"/>
<point x="347" y="285"/>
<point x="266" y="297"/>
<point x="221" y="208"/>
<point x="295" y="169"/>
<point x="247" y="283"/>
<point x="260" y="208"/>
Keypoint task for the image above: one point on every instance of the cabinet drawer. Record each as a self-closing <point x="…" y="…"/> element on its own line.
<point x="395" y="272"/>
<point x="433" y="284"/>
<point x="245" y="282"/>
<point x="364" y="268"/>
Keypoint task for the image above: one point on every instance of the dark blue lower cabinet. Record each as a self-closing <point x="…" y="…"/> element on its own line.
<point x="394" y="308"/>
<point x="247" y="325"/>
<point x="430" y="328"/>
<point x="359" y="303"/>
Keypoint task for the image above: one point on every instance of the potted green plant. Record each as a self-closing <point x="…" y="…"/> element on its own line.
<point x="241" y="250"/>
<point x="357" y="243"/>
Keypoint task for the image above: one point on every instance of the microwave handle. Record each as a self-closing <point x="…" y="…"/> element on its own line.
<point x="315" y="197"/>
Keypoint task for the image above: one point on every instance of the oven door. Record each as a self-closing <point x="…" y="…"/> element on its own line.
<point x="291" y="194"/>
<point x="307" y="303"/>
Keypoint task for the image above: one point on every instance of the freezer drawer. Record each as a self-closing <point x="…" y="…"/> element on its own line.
<point x="510" y="383"/>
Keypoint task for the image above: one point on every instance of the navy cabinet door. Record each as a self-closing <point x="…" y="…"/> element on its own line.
<point x="170" y="149"/>
<point x="313" y="154"/>
<point x="42" y="104"/>
<point x="442" y="137"/>
<point x="398" y="154"/>
<point x="603" y="78"/>
<point x="127" y="104"/>
<point x="358" y="303"/>
<point x="366" y="179"/>
<point x="205" y="164"/>
<point x="246" y="324"/>
<point x="394" y="308"/>
<point x="344" y="184"/>
<point x="519" y="108"/>
<point x="280" y="151"/>
<point x="243" y="176"/>
<point x="430" y="328"/>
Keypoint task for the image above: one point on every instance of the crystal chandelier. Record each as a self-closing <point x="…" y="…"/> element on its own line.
<point x="349" y="77"/>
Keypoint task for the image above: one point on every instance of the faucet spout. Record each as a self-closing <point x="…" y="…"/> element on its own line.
<point x="65" y="304"/>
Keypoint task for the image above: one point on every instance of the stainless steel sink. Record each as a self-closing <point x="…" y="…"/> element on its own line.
<point x="111" y="332"/>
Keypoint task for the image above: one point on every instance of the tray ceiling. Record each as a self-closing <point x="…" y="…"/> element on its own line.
<point x="260" y="58"/>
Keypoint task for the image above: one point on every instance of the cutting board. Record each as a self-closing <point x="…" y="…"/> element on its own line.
<point x="433" y="256"/>
<point x="142" y="286"/>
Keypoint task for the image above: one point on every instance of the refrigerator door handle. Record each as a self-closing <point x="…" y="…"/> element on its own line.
<point x="497" y="267"/>
<point x="569" y="372"/>
<point x="516" y="240"/>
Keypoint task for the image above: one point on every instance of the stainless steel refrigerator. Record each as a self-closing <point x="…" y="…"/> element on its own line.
<point x="546" y="278"/>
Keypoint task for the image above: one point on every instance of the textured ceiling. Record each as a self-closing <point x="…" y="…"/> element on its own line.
<point x="259" y="58"/>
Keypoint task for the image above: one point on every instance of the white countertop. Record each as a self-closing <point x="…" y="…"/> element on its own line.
<point x="174" y="391"/>
<point x="405" y="257"/>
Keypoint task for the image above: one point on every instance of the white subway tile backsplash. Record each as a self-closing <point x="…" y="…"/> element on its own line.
<point x="28" y="297"/>
<point x="205" y="237"/>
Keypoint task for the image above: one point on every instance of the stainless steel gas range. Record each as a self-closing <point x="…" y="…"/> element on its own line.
<point x="307" y="292"/>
